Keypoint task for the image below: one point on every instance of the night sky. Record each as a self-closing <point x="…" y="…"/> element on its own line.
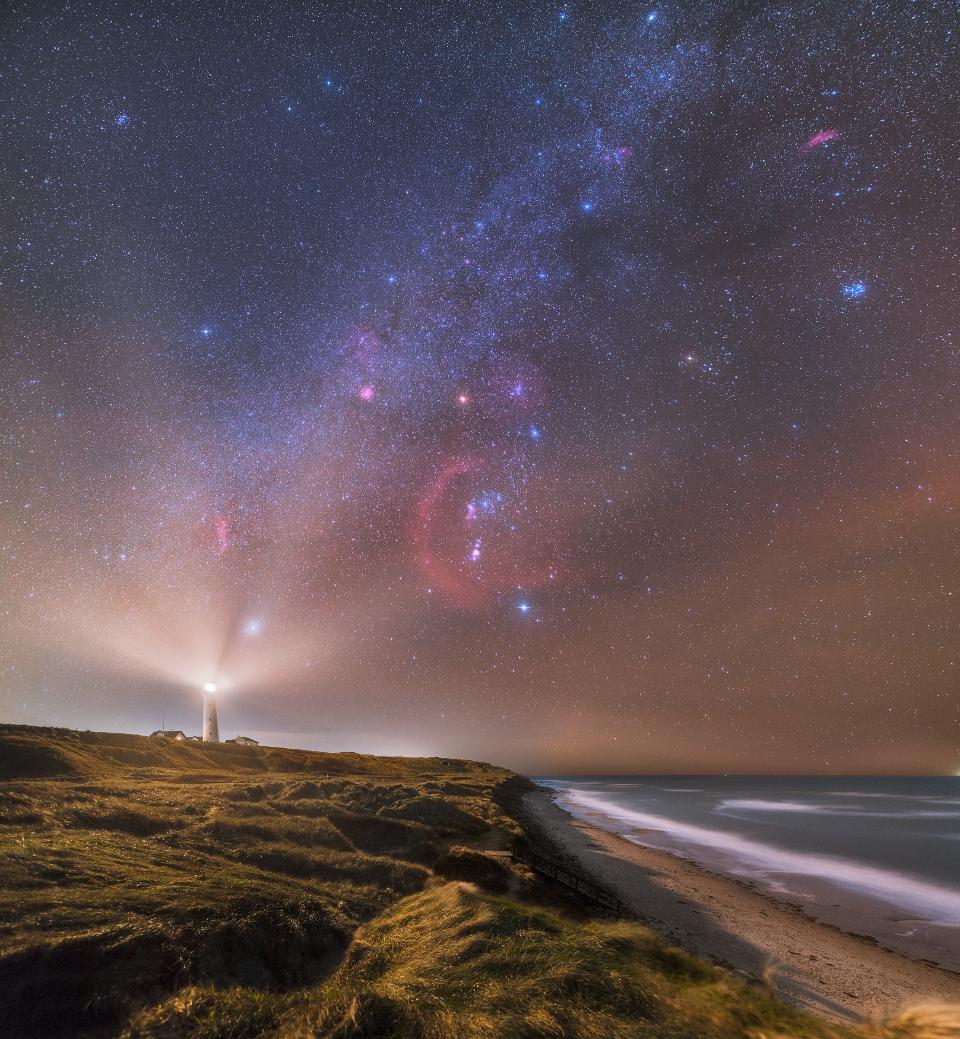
<point x="574" y="387"/>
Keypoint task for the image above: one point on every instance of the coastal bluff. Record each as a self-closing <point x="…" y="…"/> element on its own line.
<point x="150" y="888"/>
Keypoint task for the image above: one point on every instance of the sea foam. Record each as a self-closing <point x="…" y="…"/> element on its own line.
<point x="917" y="897"/>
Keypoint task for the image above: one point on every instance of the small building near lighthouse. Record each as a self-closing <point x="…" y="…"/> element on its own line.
<point x="169" y="734"/>
<point x="244" y="741"/>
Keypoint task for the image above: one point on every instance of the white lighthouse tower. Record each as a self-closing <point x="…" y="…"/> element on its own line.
<point x="211" y="728"/>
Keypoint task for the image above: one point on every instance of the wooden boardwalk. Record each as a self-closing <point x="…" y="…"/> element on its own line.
<point x="546" y="866"/>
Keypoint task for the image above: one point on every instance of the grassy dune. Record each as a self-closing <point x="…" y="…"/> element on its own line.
<point x="154" y="889"/>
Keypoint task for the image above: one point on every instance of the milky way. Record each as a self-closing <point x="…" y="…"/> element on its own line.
<point x="573" y="387"/>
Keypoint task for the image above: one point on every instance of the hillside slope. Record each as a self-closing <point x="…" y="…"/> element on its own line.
<point x="155" y="889"/>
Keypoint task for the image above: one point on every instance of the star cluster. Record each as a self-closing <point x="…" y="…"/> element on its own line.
<point x="573" y="386"/>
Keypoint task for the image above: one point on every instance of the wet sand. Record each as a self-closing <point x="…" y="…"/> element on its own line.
<point x="726" y="921"/>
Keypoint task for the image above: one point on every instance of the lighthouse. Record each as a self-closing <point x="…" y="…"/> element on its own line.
<point x="211" y="728"/>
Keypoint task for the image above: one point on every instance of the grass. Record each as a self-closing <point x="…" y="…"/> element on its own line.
<point x="156" y="890"/>
<point x="454" y="962"/>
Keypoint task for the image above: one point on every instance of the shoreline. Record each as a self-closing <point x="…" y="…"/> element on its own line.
<point x="727" y="921"/>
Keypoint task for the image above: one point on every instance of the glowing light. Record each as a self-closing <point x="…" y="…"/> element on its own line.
<point x="534" y="433"/>
<point x="854" y="290"/>
<point x="523" y="606"/>
<point x="823" y="137"/>
<point x="587" y="206"/>
<point x="463" y="399"/>
<point x="651" y="17"/>
<point x="253" y="626"/>
<point x="366" y="392"/>
<point x="209" y="687"/>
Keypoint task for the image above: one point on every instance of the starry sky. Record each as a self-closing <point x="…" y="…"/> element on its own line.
<point x="568" y="386"/>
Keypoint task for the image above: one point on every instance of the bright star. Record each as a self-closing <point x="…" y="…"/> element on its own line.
<point x="253" y="626"/>
<point x="854" y="289"/>
<point x="586" y="206"/>
<point x="523" y="606"/>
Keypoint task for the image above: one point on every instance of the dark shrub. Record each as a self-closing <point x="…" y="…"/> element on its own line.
<point x="474" y="866"/>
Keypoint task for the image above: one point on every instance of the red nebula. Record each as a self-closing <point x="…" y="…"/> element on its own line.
<point x="445" y="536"/>
<point x="817" y="139"/>
<point x="436" y="569"/>
<point x="232" y="527"/>
<point x="215" y="530"/>
<point x="222" y="527"/>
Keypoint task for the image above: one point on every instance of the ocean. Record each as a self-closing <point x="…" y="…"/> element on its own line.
<point x="877" y="856"/>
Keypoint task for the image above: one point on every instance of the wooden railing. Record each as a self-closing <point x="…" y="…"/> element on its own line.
<point x="539" y="862"/>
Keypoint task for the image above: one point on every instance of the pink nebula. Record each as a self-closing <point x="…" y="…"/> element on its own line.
<point x="824" y="137"/>
<point x="366" y="392"/>
<point x="449" y="545"/>
<point x="222" y="526"/>
<point x="215" y="531"/>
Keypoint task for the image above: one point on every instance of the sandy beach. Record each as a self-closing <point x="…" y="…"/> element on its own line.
<point x="816" y="966"/>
